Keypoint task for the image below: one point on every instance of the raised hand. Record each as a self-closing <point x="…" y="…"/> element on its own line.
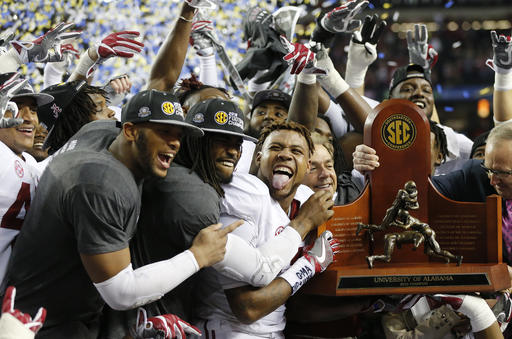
<point x="121" y="44"/>
<point x="10" y="84"/>
<point x="301" y="58"/>
<point x="200" y="37"/>
<point x="502" y="53"/>
<point x="321" y="254"/>
<point x="16" y="321"/>
<point x="207" y="4"/>
<point x="165" y="326"/>
<point x="341" y="19"/>
<point x="365" y="158"/>
<point x="46" y="48"/>
<point x="362" y="50"/>
<point x="420" y="52"/>
<point x="314" y="212"/>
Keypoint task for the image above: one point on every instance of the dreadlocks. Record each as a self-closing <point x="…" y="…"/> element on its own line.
<point x="440" y="138"/>
<point x="195" y="154"/>
<point x="190" y="86"/>
<point x="74" y="116"/>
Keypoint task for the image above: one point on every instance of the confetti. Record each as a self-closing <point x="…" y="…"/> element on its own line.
<point x="456" y="44"/>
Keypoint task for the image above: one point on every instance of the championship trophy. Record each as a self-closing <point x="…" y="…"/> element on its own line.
<point x="401" y="236"/>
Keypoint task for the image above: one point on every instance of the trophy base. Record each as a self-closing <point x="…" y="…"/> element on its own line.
<point x="410" y="278"/>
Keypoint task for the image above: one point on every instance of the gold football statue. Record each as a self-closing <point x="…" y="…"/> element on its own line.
<point x="415" y="231"/>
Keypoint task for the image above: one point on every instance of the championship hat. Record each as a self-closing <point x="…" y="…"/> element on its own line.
<point x="158" y="107"/>
<point x="63" y="95"/>
<point x="407" y="72"/>
<point x="28" y="91"/>
<point x="271" y="95"/>
<point x="218" y="116"/>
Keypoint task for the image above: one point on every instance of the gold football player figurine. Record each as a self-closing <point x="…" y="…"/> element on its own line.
<point x="414" y="231"/>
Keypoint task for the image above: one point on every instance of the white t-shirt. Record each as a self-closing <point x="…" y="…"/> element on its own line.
<point x="459" y="149"/>
<point x="247" y="198"/>
<point x="244" y="164"/>
<point x="18" y="181"/>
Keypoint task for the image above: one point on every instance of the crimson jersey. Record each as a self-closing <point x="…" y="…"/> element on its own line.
<point x="18" y="181"/>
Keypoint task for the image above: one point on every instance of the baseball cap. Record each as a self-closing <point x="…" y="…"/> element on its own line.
<point x="63" y="94"/>
<point x="218" y="116"/>
<point x="407" y="72"/>
<point x="271" y="95"/>
<point x="158" y="107"/>
<point x="27" y="91"/>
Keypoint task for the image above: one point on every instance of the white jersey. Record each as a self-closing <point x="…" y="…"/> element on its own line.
<point x="459" y="149"/>
<point x="18" y="180"/>
<point x="247" y="198"/>
<point x="244" y="164"/>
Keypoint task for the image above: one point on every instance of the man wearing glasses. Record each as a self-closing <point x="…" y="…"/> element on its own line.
<point x="475" y="180"/>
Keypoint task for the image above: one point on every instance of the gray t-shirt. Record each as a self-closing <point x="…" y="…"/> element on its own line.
<point x="173" y="211"/>
<point x="87" y="202"/>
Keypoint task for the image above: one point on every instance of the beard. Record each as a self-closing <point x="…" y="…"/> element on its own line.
<point x="144" y="155"/>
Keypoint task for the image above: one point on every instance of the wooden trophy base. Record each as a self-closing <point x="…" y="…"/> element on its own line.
<point x="410" y="278"/>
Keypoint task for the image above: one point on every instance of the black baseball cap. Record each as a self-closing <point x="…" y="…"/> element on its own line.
<point x="27" y="91"/>
<point x="407" y="72"/>
<point x="158" y="107"/>
<point x="218" y="116"/>
<point x="271" y="95"/>
<point x="63" y="95"/>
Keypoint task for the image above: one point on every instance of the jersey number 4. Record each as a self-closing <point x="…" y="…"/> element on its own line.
<point x="10" y="219"/>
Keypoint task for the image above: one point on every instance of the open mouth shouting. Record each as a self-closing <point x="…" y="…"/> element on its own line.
<point x="166" y="159"/>
<point x="281" y="176"/>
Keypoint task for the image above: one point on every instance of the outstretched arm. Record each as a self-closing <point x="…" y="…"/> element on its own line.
<point x="170" y="58"/>
<point x="502" y="66"/>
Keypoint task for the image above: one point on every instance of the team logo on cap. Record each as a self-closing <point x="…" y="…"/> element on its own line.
<point x="56" y="110"/>
<point x="398" y="132"/>
<point x="178" y="110"/>
<point x="198" y="118"/>
<point x="144" y="112"/>
<point x="221" y="117"/>
<point x="168" y="108"/>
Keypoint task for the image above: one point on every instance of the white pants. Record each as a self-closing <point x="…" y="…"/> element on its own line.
<point x="216" y="329"/>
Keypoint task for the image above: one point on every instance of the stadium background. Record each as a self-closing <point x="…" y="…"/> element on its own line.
<point x="458" y="29"/>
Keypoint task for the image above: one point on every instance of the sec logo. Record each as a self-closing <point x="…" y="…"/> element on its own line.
<point x="168" y="108"/>
<point x="18" y="168"/>
<point x="398" y="132"/>
<point x="221" y="117"/>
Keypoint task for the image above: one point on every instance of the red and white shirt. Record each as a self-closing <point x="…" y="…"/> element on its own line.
<point x="18" y="181"/>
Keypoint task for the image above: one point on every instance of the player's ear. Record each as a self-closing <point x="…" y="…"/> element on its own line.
<point x="258" y="158"/>
<point x="129" y="131"/>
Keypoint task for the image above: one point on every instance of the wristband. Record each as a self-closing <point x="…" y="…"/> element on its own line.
<point x="298" y="274"/>
<point x="255" y="87"/>
<point x="308" y="79"/>
<point x="478" y="312"/>
<point x="208" y="70"/>
<point x="11" y="327"/>
<point x="85" y="64"/>
<point x="502" y="81"/>
<point x="10" y="61"/>
<point x="334" y="84"/>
